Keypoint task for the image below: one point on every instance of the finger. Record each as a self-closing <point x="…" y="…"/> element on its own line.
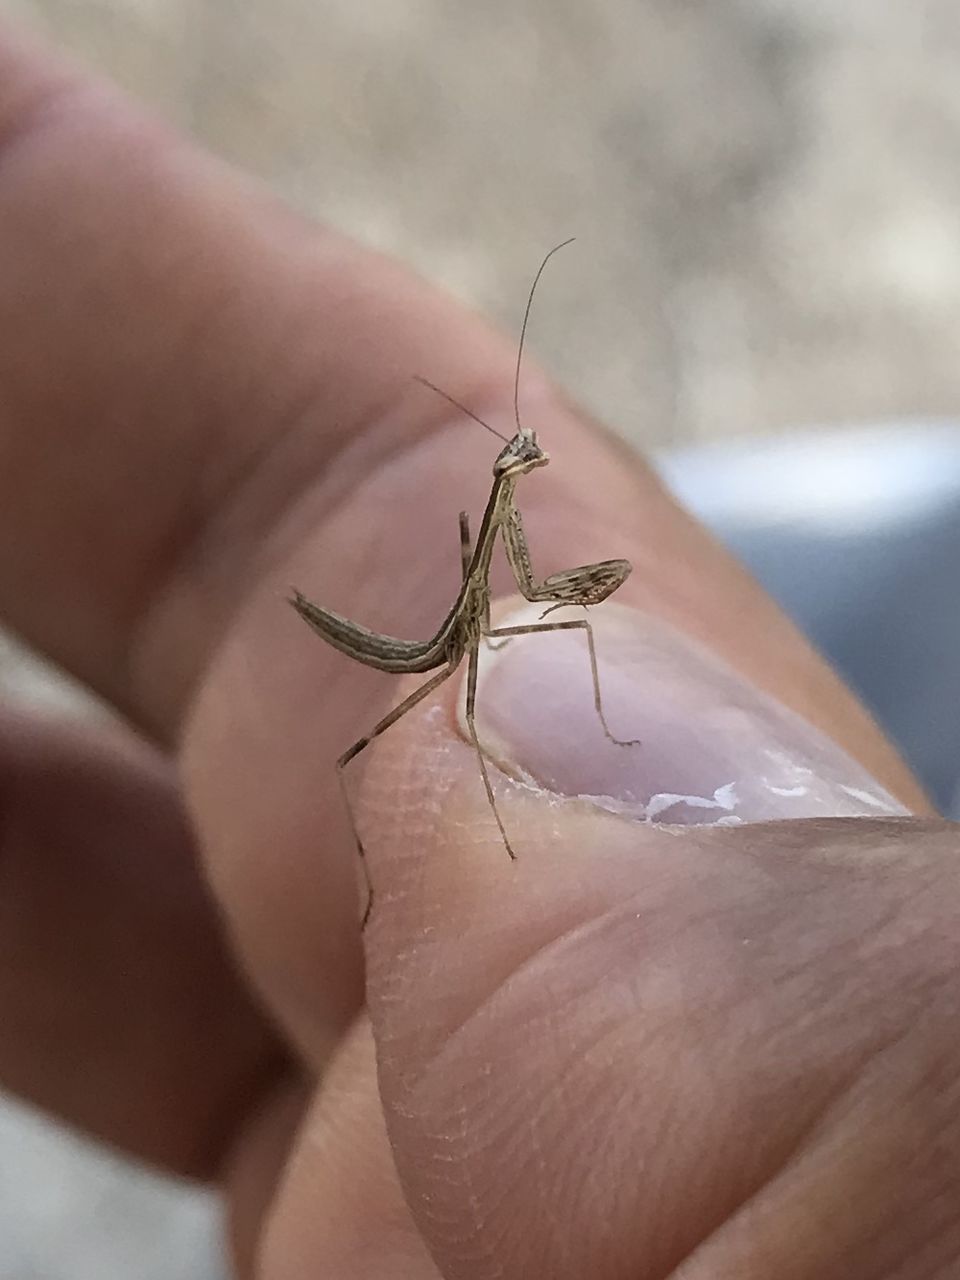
<point x="629" y="1048"/>
<point x="180" y="360"/>
<point x="339" y="1199"/>
<point x="121" y="1011"/>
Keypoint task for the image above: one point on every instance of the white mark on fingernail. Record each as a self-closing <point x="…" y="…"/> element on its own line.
<point x="868" y="797"/>
<point x="786" y="762"/>
<point x="724" y="797"/>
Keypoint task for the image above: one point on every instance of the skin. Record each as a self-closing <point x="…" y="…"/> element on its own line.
<point x="202" y="399"/>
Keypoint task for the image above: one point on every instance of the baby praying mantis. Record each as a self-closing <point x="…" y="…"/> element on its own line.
<point x="468" y="621"/>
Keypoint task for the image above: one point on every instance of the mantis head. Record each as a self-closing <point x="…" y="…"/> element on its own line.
<point x="522" y="454"/>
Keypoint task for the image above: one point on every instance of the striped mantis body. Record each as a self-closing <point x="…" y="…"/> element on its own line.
<point x="468" y="621"/>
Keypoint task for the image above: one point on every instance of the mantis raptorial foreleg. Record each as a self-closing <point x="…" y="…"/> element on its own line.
<point x="587" y="584"/>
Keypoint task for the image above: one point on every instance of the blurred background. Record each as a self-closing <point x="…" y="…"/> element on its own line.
<point x="766" y="195"/>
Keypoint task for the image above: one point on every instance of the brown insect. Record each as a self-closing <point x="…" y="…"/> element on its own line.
<point x="468" y="621"/>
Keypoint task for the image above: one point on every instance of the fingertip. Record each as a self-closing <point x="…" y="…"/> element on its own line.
<point x="548" y="1009"/>
<point x="448" y="896"/>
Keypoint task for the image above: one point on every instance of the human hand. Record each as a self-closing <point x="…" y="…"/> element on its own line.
<point x="732" y="1046"/>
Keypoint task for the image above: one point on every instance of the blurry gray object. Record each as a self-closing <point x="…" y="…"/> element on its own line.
<point x="857" y="535"/>
<point x="70" y="1210"/>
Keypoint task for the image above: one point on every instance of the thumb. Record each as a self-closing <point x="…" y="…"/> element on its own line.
<point x="591" y="1057"/>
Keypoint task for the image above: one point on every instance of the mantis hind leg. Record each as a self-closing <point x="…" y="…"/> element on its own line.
<point x="580" y="624"/>
<point x="352" y="752"/>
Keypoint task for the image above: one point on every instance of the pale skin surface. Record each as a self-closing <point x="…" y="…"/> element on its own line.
<point x="202" y="400"/>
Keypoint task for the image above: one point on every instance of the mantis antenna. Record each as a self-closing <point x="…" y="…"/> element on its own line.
<point x="523" y="328"/>
<point x="462" y="407"/>
<point x="516" y="379"/>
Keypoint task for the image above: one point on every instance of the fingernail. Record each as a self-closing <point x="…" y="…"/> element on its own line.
<point x="713" y="749"/>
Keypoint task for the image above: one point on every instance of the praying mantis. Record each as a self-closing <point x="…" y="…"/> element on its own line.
<point x="468" y="621"/>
